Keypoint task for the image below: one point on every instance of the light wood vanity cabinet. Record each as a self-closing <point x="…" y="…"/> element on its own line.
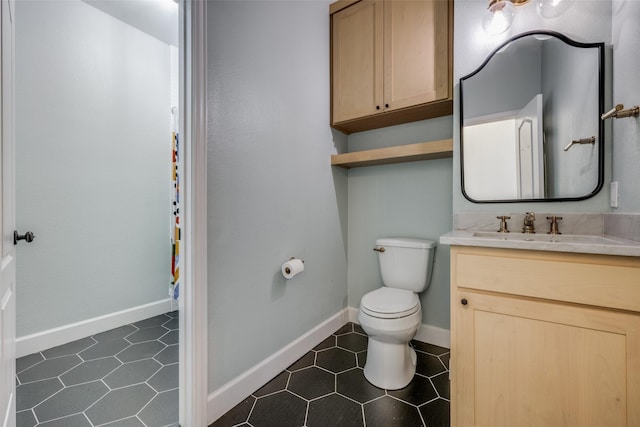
<point x="391" y="62"/>
<point x="544" y="339"/>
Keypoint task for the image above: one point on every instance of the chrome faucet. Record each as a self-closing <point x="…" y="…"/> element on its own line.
<point x="618" y="112"/>
<point x="529" y="223"/>
<point x="613" y="112"/>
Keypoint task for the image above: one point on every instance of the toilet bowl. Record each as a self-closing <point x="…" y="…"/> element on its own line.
<point x="391" y="315"/>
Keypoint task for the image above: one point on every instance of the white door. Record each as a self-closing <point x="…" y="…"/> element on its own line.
<point x="529" y="150"/>
<point x="7" y="213"/>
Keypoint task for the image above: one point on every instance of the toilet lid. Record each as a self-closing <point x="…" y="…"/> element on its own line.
<point x="390" y="303"/>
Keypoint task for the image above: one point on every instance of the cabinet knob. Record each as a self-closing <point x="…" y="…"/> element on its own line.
<point x="464" y="301"/>
<point x="386" y="105"/>
<point x="377" y="107"/>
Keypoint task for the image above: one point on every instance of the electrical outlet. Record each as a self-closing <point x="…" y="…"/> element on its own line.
<point x="613" y="202"/>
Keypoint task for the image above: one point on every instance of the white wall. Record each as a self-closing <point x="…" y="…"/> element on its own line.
<point x="92" y="156"/>
<point x="626" y="90"/>
<point x="587" y="21"/>
<point x="272" y="191"/>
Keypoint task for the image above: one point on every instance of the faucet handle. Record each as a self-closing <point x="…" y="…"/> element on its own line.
<point x="554" y="224"/>
<point x="503" y="223"/>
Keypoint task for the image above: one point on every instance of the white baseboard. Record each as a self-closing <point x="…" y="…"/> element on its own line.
<point x="39" y="341"/>
<point x="426" y="333"/>
<point x="353" y="315"/>
<point x="434" y="335"/>
<point x="236" y="390"/>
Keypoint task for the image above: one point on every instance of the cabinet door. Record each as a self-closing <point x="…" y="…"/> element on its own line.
<point x="518" y="362"/>
<point x="357" y="60"/>
<point x="416" y="40"/>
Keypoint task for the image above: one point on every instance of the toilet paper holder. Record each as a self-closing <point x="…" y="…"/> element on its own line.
<point x="287" y="269"/>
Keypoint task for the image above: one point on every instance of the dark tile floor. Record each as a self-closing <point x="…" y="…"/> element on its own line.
<point x="327" y="388"/>
<point x="125" y="377"/>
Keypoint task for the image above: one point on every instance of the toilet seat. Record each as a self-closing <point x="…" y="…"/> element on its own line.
<point x="390" y="303"/>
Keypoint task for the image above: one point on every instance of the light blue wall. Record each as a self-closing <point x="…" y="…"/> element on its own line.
<point x="92" y="165"/>
<point x="587" y="21"/>
<point x="272" y="191"/>
<point x="400" y="200"/>
<point x="626" y="90"/>
<point x="499" y="88"/>
<point x="571" y="110"/>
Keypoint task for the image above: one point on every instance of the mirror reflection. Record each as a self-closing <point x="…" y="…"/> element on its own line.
<point x="530" y="121"/>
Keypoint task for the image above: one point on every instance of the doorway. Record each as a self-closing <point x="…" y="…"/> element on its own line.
<point x="93" y="136"/>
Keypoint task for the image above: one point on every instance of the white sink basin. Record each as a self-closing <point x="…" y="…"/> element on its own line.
<point x="549" y="238"/>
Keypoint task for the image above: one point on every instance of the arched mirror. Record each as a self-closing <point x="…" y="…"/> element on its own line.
<point x="530" y="127"/>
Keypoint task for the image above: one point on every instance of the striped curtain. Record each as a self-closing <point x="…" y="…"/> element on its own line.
<point x="176" y="234"/>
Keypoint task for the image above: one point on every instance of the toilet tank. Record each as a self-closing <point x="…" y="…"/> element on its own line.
<point x="406" y="263"/>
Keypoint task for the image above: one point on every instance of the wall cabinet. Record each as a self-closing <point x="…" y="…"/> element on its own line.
<point x="391" y="62"/>
<point x="544" y="339"/>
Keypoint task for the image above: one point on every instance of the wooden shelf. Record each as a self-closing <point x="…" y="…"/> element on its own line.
<point x="399" y="154"/>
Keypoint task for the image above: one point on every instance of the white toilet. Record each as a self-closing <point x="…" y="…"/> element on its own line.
<point x="392" y="314"/>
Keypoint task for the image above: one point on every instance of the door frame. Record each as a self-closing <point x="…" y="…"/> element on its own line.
<point x="193" y="305"/>
<point x="7" y="217"/>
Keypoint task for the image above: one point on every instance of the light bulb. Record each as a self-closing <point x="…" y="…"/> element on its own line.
<point x="552" y="8"/>
<point x="499" y="17"/>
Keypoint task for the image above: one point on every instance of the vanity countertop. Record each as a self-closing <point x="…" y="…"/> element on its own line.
<point x="590" y="244"/>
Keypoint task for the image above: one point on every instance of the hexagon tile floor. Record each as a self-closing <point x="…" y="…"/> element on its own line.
<point x="327" y="388"/>
<point x="125" y="377"/>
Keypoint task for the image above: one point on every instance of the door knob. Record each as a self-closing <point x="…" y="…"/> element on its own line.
<point x="28" y="236"/>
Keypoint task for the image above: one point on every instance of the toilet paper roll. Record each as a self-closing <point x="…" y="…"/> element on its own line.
<point x="292" y="268"/>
